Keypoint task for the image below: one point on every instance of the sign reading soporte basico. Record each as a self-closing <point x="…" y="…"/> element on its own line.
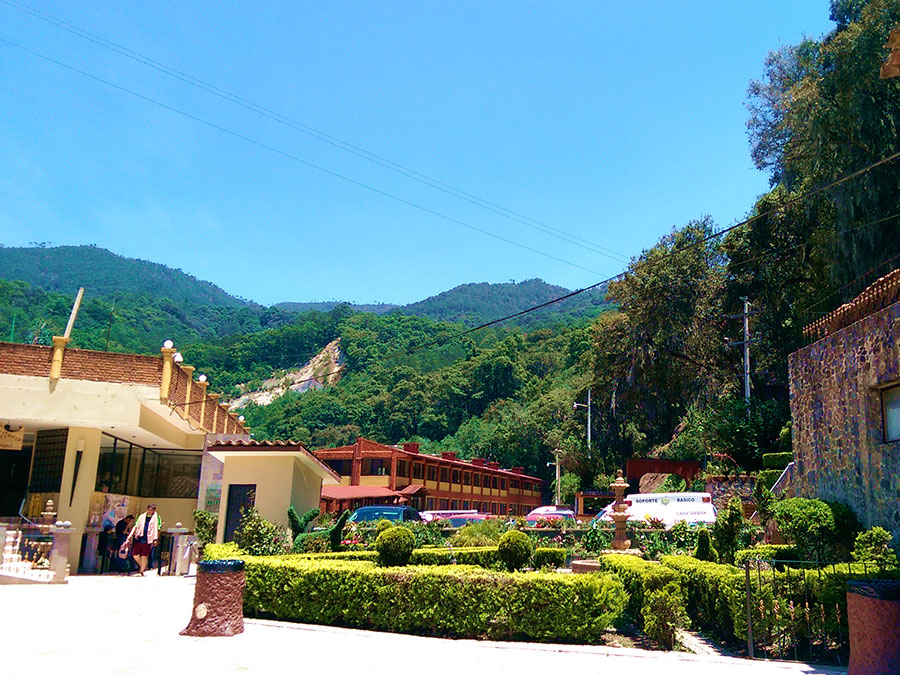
<point x="11" y="440"/>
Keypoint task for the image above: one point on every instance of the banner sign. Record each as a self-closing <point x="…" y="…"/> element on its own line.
<point x="11" y="440"/>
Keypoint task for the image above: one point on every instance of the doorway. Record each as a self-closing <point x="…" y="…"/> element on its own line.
<point x="239" y="496"/>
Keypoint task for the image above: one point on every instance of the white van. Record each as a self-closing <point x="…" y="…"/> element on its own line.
<point x="669" y="507"/>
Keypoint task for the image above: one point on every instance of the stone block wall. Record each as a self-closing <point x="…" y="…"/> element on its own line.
<point x="838" y="426"/>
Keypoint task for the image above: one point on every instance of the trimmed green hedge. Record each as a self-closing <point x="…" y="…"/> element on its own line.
<point x="713" y="592"/>
<point x="768" y="477"/>
<point x="450" y="601"/>
<point x="777" y="460"/>
<point x="640" y="578"/>
<point x="767" y="552"/>
<point x="549" y="557"/>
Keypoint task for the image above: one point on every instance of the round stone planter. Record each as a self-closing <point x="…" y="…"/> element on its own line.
<point x="218" y="599"/>
<point x="873" y="615"/>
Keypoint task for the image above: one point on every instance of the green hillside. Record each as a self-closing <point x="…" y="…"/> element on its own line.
<point x="378" y="308"/>
<point x="104" y="274"/>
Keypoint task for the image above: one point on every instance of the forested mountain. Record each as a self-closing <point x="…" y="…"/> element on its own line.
<point x="474" y="304"/>
<point x="104" y="274"/>
<point x="377" y="308"/>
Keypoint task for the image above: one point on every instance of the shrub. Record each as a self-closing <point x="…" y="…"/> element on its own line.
<point x="785" y="552"/>
<point x="765" y="502"/>
<point x="258" y="536"/>
<point x="450" y="601"/>
<point x="727" y="529"/>
<point x="205" y="526"/>
<point x="777" y="460"/>
<point x="515" y="549"/>
<point x="640" y="578"/>
<point x="875" y="546"/>
<point x="664" y="615"/>
<point x="299" y="524"/>
<point x="482" y="533"/>
<point x="222" y="551"/>
<point x="382" y="525"/>
<point x="705" y="550"/>
<point x="323" y="540"/>
<point x="820" y="529"/>
<point x="768" y="477"/>
<point x="395" y="545"/>
<point x="549" y="557"/>
<point x="425" y="533"/>
<point x="712" y="591"/>
<point x="597" y="538"/>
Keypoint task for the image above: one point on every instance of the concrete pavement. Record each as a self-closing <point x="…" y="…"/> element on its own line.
<point x="131" y="624"/>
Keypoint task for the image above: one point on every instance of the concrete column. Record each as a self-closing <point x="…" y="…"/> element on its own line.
<point x="59" y="347"/>
<point x="75" y="500"/>
<point x="168" y="355"/>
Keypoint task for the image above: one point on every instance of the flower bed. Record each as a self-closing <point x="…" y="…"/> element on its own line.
<point x="451" y="601"/>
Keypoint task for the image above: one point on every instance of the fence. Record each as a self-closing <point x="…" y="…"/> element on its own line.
<point x="798" y="610"/>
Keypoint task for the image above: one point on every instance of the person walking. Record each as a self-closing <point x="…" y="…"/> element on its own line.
<point x="123" y="560"/>
<point x="144" y="536"/>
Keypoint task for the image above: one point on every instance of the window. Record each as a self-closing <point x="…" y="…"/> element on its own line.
<point x="502" y="483"/>
<point x="443" y="505"/>
<point x="129" y="469"/>
<point x="454" y="505"/>
<point x="373" y="467"/>
<point x="476" y="480"/>
<point x="429" y="503"/>
<point x="445" y="475"/>
<point x="417" y="470"/>
<point x="465" y="504"/>
<point x="403" y="469"/>
<point x="503" y="509"/>
<point x="456" y="476"/>
<point x="432" y="472"/>
<point x="493" y="508"/>
<point x="467" y="478"/>
<point x="890" y="399"/>
<point x="513" y="484"/>
<point x="342" y="467"/>
<point x="495" y="483"/>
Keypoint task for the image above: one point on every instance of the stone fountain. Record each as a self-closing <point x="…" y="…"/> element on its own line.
<point x="620" y="542"/>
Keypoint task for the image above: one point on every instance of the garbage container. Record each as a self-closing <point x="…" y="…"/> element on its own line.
<point x="218" y="599"/>
<point x="873" y="615"/>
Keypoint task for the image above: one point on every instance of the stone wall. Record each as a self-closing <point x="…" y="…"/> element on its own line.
<point x="838" y="429"/>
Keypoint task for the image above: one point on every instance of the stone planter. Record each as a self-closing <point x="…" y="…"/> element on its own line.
<point x="218" y="599"/>
<point x="873" y="615"/>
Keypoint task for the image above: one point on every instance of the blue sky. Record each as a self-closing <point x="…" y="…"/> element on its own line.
<point x="613" y="122"/>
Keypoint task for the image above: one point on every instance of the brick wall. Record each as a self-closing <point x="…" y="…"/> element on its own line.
<point x="81" y="364"/>
<point x="838" y="431"/>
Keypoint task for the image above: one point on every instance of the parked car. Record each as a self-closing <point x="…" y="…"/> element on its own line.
<point x="550" y="513"/>
<point x="669" y="507"/>
<point x="428" y="516"/>
<point x="463" y="519"/>
<point x="392" y="513"/>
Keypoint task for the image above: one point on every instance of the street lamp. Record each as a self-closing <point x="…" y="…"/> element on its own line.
<point x="577" y="405"/>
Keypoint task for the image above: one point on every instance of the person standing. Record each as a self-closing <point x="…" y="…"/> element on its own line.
<point x="123" y="528"/>
<point x="144" y="536"/>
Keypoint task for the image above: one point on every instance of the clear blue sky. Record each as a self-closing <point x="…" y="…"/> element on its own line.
<point x="613" y="121"/>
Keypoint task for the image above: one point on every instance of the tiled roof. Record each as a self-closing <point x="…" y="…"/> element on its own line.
<point x="356" y="491"/>
<point x="884" y="292"/>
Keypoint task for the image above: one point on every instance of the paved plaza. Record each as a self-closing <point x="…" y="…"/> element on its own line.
<point x="131" y="624"/>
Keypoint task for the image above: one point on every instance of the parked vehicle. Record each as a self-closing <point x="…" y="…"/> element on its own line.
<point x="392" y="513"/>
<point x="463" y="519"/>
<point x="428" y="516"/>
<point x="550" y="513"/>
<point x="669" y="507"/>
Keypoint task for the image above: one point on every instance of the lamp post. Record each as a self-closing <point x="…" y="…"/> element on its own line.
<point x="577" y="405"/>
<point x="556" y="453"/>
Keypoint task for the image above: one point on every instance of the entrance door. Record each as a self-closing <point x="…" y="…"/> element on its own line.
<point x="239" y="496"/>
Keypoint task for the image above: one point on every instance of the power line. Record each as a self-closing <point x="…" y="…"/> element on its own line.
<point x="321" y="135"/>
<point x="292" y="157"/>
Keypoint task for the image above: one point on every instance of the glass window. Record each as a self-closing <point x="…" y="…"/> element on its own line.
<point x="373" y="467"/>
<point x="456" y="476"/>
<point x="432" y="473"/>
<point x="495" y="483"/>
<point x="891" y="400"/>
<point x="403" y="468"/>
<point x="342" y="467"/>
<point x="476" y="479"/>
<point x="465" y="504"/>
<point x="502" y="483"/>
<point x="454" y="504"/>
<point x="467" y="478"/>
<point x="503" y="509"/>
<point x="445" y="475"/>
<point x="443" y="505"/>
<point x="514" y="484"/>
<point x="174" y="473"/>
<point x="417" y="470"/>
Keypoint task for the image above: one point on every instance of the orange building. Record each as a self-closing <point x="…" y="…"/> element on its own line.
<point x="372" y="473"/>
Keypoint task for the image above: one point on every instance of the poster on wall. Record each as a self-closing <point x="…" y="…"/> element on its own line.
<point x="116" y="507"/>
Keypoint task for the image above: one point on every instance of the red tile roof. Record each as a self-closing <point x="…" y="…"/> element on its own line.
<point x="356" y="491"/>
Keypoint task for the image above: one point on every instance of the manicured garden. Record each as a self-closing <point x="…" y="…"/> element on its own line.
<point x="495" y="580"/>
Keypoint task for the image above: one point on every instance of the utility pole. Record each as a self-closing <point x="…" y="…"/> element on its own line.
<point x="556" y="454"/>
<point x="745" y="343"/>
<point x="577" y="405"/>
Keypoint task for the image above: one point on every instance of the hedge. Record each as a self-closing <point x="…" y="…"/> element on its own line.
<point x="483" y="556"/>
<point x="781" y="552"/>
<point x="777" y="460"/>
<point x="640" y="578"/>
<point x="768" y="477"/>
<point x="716" y="597"/>
<point x="449" y="601"/>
